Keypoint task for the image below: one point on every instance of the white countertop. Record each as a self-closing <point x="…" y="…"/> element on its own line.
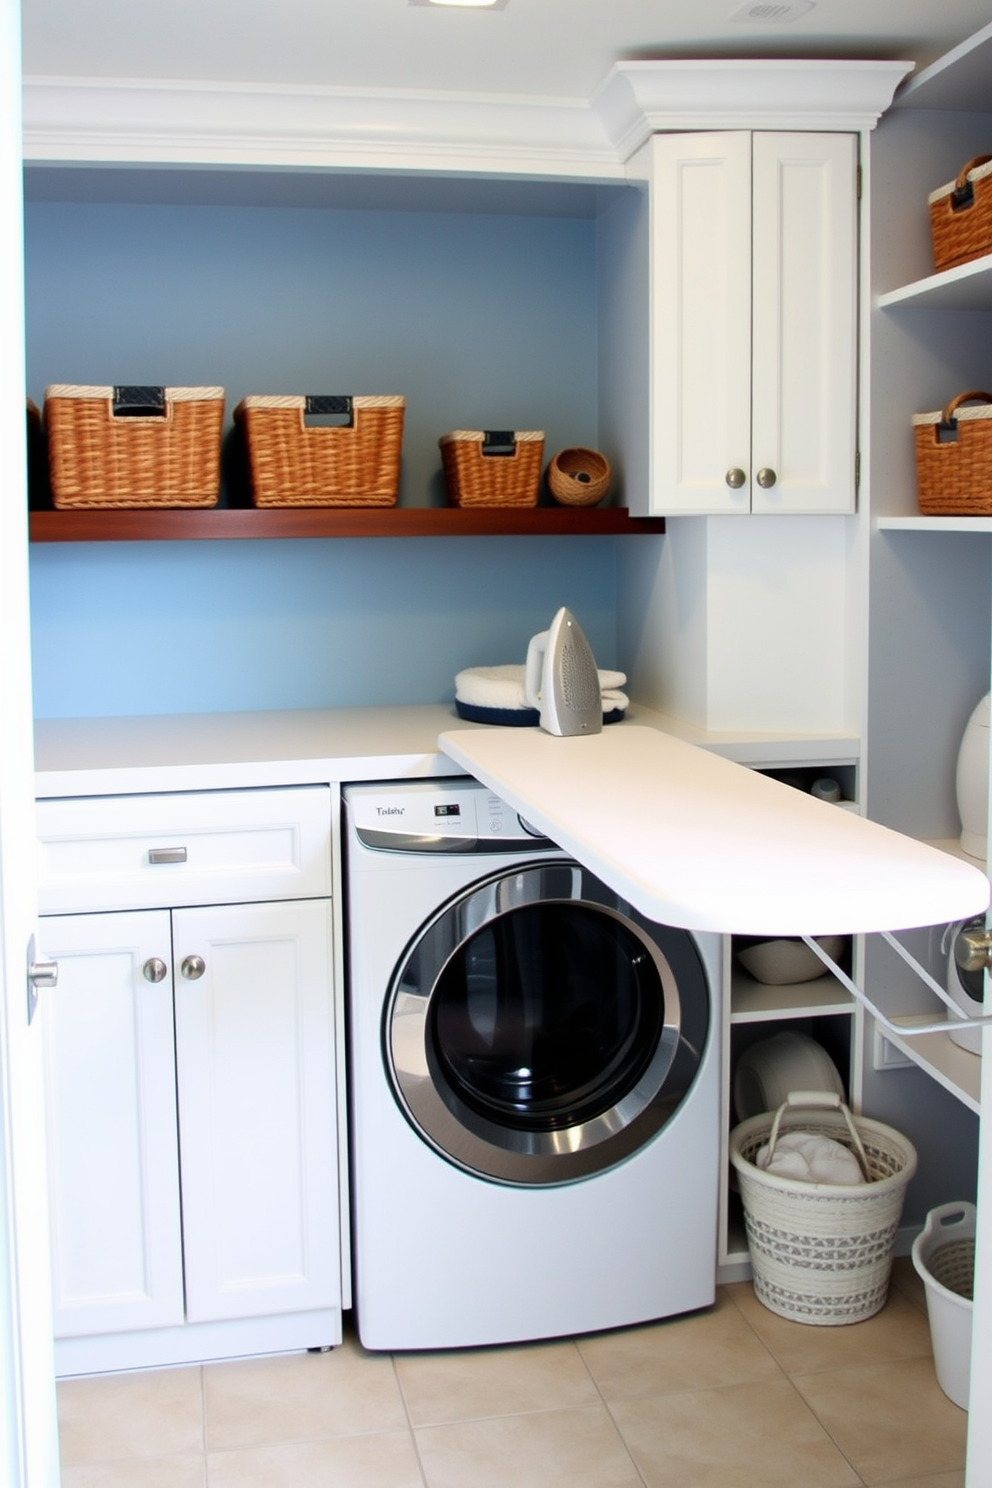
<point x="681" y="831"/>
<point x="212" y="751"/>
<point x="696" y="841"/>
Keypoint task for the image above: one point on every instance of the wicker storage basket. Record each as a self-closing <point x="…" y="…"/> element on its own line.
<point x="961" y="215"/>
<point x="134" y="446"/>
<point x="578" y="477"/>
<point x="492" y="467"/>
<point x="356" y="463"/>
<point x="822" y="1253"/>
<point x="954" y="458"/>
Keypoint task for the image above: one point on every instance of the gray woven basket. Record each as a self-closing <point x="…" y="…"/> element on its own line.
<point x="820" y="1252"/>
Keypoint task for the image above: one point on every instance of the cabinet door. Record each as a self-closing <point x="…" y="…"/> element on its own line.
<point x="700" y="322"/>
<point x="804" y="275"/>
<point x="255" y="1065"/>
<point x="753" y="323"/>
<point x="111" y="1125"/>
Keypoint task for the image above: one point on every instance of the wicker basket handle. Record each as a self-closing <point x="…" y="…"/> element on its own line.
<point x="823" y="1100"/>
<point x="964" y="192"/>
<point x="132" y="401"/>
<point x="947" y="418"/>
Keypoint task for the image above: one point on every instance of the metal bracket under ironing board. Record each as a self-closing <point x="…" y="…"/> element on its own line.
<point x="901" y="1030"/>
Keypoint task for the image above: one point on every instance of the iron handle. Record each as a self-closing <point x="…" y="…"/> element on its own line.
<point x="193" y="968"/>
<point x="973" y="950"/>
<point x="166" y="855"/>
<point x="154" y="970"/>
<point x="735" y="478"/>
<point x="766" y="478"/>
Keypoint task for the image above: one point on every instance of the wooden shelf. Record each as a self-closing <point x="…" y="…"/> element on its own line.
<point x="755" y="1002"/>
<point x="966" y="287"/>
<point x="935" y="524"/>
<point x="295" y="522"/>
<point x="958" y="1070"/>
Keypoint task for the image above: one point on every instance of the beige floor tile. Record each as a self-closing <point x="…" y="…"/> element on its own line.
<point x="551" y="1449"/>
<point x="301" y="1396"/>
<point x="493" y="1382"/>
<point x="899" y="1331"/>
<point x="139" y="1472"/>
<point x="739" y="1436"/>
<point x="380" y="1460"/>
<point x="710" y="1348"/>
<point x="150" y="1413"/>
<point x="890" y="1423"/>
<point x="932" y="1480"/>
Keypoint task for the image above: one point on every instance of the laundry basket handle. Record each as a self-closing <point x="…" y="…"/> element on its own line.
<point x="824" y="1100"/>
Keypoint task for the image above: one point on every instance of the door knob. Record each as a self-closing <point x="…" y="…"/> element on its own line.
<point x="39" y="974"/>
<point x="43" y="973"/>
<point x="766" y="478"/>
<point x="735" y="478"/>
<point x="973" y="950"/>
<point x="193" y="968"/>
<point x="154" y="970"/>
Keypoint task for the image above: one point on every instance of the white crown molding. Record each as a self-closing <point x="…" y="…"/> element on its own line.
<point x="637" y="99"/>
<point x="188" y="123"/>
<point x="166" y="122"/>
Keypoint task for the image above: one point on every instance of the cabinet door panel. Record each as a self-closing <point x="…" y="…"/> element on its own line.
<point x="700" y="322"/>
<point x="111" y="1126"/>
<point x="805" y="300"/>
<point x="254" y="1051"/>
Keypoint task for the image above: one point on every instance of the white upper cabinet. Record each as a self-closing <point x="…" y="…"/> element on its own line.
<point x="753" y="311"/>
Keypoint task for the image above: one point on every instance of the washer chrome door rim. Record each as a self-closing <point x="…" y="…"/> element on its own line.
<point x="529" y="1151"/>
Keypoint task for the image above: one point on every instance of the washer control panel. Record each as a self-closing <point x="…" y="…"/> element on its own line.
<point x="437" y="816"/>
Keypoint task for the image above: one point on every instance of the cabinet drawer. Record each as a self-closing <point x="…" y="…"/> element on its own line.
<point x="212" y="847"/>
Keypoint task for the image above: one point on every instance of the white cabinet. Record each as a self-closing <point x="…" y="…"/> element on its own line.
<point x="110" y="1090"/>
<point x="191" y="1086"/>
<point x="256" y="1109"/>
<point x="753" y="263"/>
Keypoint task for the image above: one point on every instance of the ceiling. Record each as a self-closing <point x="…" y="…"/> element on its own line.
<point x="559" y="49"/>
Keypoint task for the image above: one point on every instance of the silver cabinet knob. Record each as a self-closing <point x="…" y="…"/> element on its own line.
<point x="735" y="478"/>
<point x="973" y="950"/>
<point x="193" y="968"/>
<point x="154" y="970"/>
<point x="766" y="478"/>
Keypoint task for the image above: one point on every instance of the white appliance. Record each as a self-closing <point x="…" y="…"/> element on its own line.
<point x="534" y="1098"/>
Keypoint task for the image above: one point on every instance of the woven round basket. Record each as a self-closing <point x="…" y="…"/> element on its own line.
<point x="578" y="477"/>
<point x="821" y="1252"/>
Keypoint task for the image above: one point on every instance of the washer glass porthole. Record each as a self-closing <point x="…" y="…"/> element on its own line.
<point x="534" y="1032"/>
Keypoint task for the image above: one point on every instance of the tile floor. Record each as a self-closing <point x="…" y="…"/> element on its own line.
<point x="731" y="1398"/>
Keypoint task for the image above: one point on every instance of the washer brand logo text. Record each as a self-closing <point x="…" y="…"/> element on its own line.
<point x="390" y="810"/>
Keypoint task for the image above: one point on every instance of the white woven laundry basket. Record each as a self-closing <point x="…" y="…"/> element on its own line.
<point x="821" y="1252"/>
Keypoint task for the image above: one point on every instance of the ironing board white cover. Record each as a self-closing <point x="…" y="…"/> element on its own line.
<point x="697" y="841"/>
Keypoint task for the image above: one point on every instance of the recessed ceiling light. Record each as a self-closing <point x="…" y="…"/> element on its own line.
<point x="771" y="12"/>
<point x="463" y="4"/>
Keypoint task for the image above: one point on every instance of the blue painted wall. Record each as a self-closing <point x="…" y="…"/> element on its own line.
<point x="479" y="320"/>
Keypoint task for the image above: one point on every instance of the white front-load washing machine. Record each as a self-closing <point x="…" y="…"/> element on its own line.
<point x="534" y="1098"/>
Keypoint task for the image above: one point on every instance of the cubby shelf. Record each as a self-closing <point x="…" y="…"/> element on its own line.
<point x="142" y="525"/>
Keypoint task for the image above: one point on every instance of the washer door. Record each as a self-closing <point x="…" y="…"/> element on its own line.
<point x="538" y="1030"/>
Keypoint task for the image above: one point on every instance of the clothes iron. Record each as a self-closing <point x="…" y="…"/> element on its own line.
<point x="561" y="679"/>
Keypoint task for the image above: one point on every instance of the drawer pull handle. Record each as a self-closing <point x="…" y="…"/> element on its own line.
<point x="166" y="855"/>
<point x="154" y="969"/>
<point x="193" y="968"/>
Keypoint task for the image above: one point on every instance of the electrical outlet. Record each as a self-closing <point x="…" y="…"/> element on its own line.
<point x="886" y="1055"/>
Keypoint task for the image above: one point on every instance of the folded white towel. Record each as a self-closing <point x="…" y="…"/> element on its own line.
<point x="811" y="1159"/>
<point x="503" y="687"/>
